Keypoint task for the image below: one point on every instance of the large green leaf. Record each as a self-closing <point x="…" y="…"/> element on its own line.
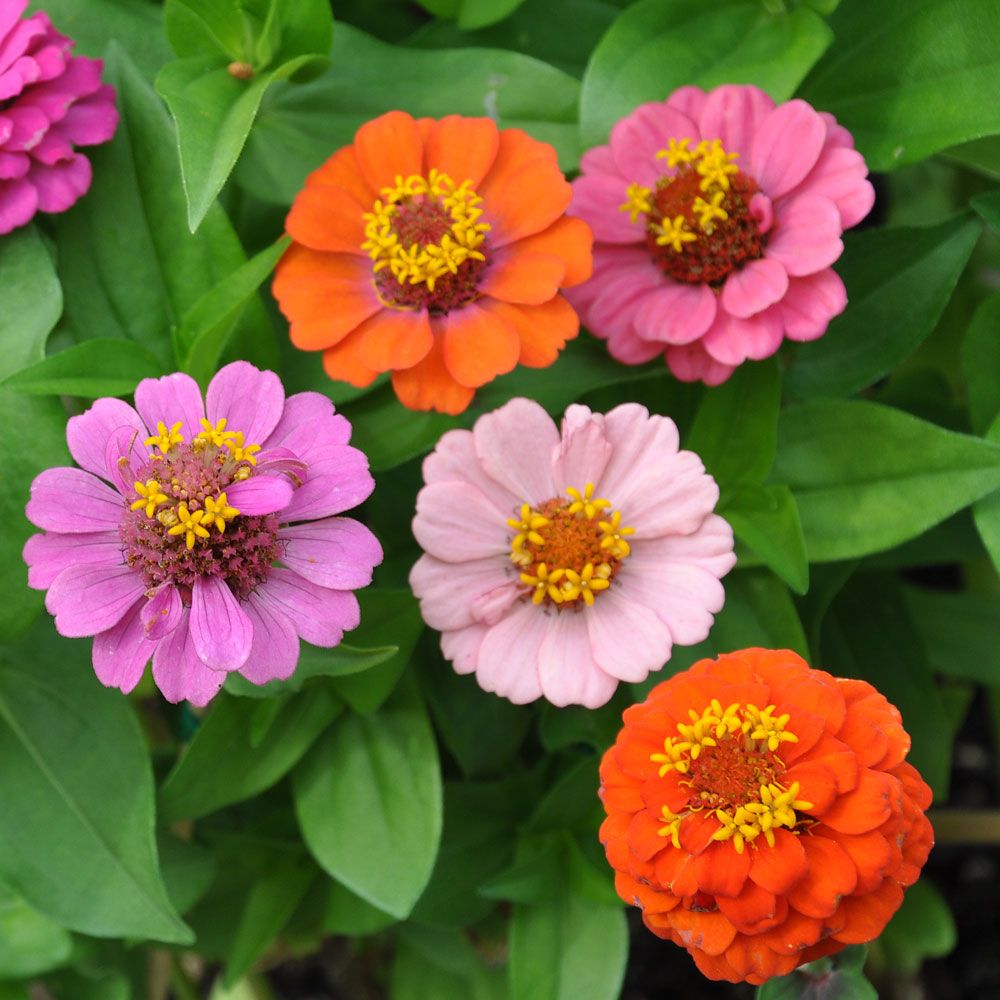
<point x="867" y="477"/>
<point x="840" y="977"/>
<point x="921" y="928"/>
<point x="656" y="46"/>
<point x="368" y="799"/>
<point x="979" y="362"/>
<point x="898" y="284"/>
<point x="921" y="76"/>
<point x="30" y="943"/>
<point x="76" y="829"/>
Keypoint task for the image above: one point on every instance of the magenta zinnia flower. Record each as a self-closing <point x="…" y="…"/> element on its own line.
<point x="50" y="102"/>
<point x="215" y="546"/>
<point x="717" y="217"/>
<point x="559" y="565"/>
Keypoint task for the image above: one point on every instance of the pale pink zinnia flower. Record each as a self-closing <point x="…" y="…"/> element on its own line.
<point x="50" y="102"/>
<point x="215" y="546"/>
<point x="559" y="565"/>
<point x="717" y="217"/>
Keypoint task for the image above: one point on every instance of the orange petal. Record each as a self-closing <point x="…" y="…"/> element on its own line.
<point x="428" y="385"/>
<point x="818" y="784"/>
<point x="389" y="147"/>
<point x="327" y="218"/>
<point x="778" y="868"/>
<point x="712" y="933"/>
<point x="871" y="855"/>
<point x="342" y="171"/>
<point x="696" y="832"/>
<point x="571" y="240"/>
<point x="524" y="278"/>
<point x="342" y="365"/>
<point x="754" y="910"/>
<point x="715" y="967"/>
<point x="648" y="899"/>
<point x="721" y="871"/>
<point x="478" y="345"/>
<point x="865" y="917"/>
<point x="674" y="871"/>
<point x="463" y="148"/>
<point x="644" y="840"/>
<point x="754" y="961"/>
<point x="869" y="805"/>
<point x="542" y="330"/>
<point x="832" y="875"/>
<point x="795" y="933"/>
<point x="394" y="338"/>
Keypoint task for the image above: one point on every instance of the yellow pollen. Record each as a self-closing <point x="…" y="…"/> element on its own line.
<point x="586" y="501"/>
<point x="709" y="211"/>
<point x="217" y="435"/>
<point x="165" y="439"/>
<point x="150" y="496"/>
<point x="672" y="829"/>
<point x="636" y="201"/>
<point x="544" y="583"/>
<point x="218" y="512"/>
<point x="715" y="165"/>
<point x="674" y="234"/>
<point x="614" y="536"/>
<point x="241" y="452"/>
<point x="676" y="153"/>
<point x="189" y="524"/>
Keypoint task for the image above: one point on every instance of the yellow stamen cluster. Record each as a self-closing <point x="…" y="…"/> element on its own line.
<point x="218" y="511"/>
<point x="776" y="809"/>
<point x="636" y="201"/>
<point x="165" y="438"/>
<point x="586" y="502"/>
<point x="150" y="496"/>
<point x="425" y="262"/>
<point x="189" y="524"/>
<point x="241" y="452"/>
<point x="674" y="233"/>
<point x="672" y="829"/>
<point x="216" y="435"/>
<point x="615" y="535"/>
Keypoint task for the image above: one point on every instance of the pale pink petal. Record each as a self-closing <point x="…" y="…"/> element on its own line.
<point x="638" y="137"/>
<point x="320" y="615"/>
<point x="507" y="663"/>
<point x="754" y="287"/>
<point x="455" y="595"/>
<point x="47" y="555"/>
<point x="597" y="199"/>
<point x="806" y="236"/>
<point x="179" y="673"/>
<point x="462" y="647"/>
<point x="710" y="547"/>
<point x="455" y="522"/>
<point x="169" y="399"/>
<point x="732" y="341"/>
<point x="86" y="599"/>
<point x="336" y="552"/>
<point x="567" y="670"/>
<point x="635" y="437"/>
<point x="841" y="175"/>
<point x="308" y="424"/>
<point x="584" y="450"/>
<point x="124" y="459"/>
<point x="811" y="303"/>
<point x="454" y="459"/>
<point x="733" y="113"/>
<point x="260" y="495"/>
<point x="692" y="363"/>
<point x="627" y="639"/>
<point x="338" y="480"/>
<point x="74" y="502"/>
<point x="676" y="313"/>
<point x="248" y="399"/>
<point x="500" y="443"/>
<point x="688" y="100"/>
<point x="786" y="147"/>
<point x="120" y="653"/>
<point x="274" y="652"/>
<point x="220" y="629"/>
<point x="89" y="433"/>
<point x="161" y="614"/>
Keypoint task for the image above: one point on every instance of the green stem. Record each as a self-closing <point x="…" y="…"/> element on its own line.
<point x="966" y="826"/>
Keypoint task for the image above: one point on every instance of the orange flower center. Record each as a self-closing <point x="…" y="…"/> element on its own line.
<point x="426" y="243"/>
<point x="730" y="762"/>
<point x="697" y="219"/>
<point x="569" y="548"/>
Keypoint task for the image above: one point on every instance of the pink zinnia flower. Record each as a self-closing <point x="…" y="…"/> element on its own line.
<point x="50" y="102"/>
<point x="717" y="217"/>
<point x="215" y="546"/>
<point x="559" y="565"/>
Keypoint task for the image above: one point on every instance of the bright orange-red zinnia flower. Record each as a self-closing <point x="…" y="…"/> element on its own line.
<point x="436" y="250"/>
<point x="761" y="813"/>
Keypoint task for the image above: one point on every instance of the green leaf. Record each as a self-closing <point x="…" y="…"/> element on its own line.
<point x="442" y="965"/>
<point x="347" y="913"/>
<point x="656" y="46"/>
<point x="839" y="978"/>
<point x="531" y="879"/>
<point x="758" y="612"/>
<point x="100" y="367"/>
<point x="30" y="943"/>
<point x="921" y="928"/>
<point x="299" y="127"/>
<point x="571" y="800"/>
<point x="981" y="155"/>
<point x="867" y="477"/>
<point x="221" y="766"/>
<point x="982" y="374"/>
<point x="474" y="14"/>
<point x="987" y="206"/>
<point x="898" y="284"/>
<point x="919" y="79"/>
<point x="76" y="830"/>
<point x="188" y="870"/>
<point x="368" y="799"/>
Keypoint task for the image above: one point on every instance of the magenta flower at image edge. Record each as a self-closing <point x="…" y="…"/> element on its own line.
<point x="716" y="218"/>
<point x="557" y="565"/>
<point x="174" y="561"/>
<point x="50" y="102"/>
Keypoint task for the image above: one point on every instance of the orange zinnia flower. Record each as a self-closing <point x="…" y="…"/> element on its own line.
<point x="761" y="813"/>
<point x="436" y="250"/>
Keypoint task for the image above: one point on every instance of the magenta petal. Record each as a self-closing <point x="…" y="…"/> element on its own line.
<point x="49" y="554"/>
<point x="308" y="423"/>
<point x="74" y="502"/>
<point x="692" y="363"/>
<point x="732" y="341"/>
<point x="338" y="481"/>
<point x="60" y="186"/>
<point x="161" y="614"/>
<point x="260" y="495"/>
<point x="336" y="552"/>
<point x="88" y="434"/>
<point x="93" y="120"/>
<point x="274" y="653"/>
<point x="10" y="13"/>
<point x="676" y="313"/>
<point x="178" y="671"/>
<point x="121" y="653"/>
<point x="566" y="667"/>
<point x="806" y="236"/>
<point x="18" y="203"/>
<point x="220" y="629"/>
<point x="754" y="287"/>
<point x="786" y="147"/>
<point x="87" y="599"/>
<point x="733" y="113"/>
<point x="250" y="400"/>
<point x="811" y="303"/>
<point x="124" y="459"/>
<point x="169" y="399"/>
<point x="320" y="615"/>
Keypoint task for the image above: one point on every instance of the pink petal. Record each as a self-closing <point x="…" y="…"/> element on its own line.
<point x="248" y="399"/>
<point x="455" y="522"/>
<point x="841" y="175"/>
<point x="320" y="615"/>
<point x="454" y="459"/>
<point x="754" y="287"/>
<point x="584" y="451"/>
<point x="836" y="135"/>
<point x="308" y="423"/>
<point x="456" y="595"/>
<point x="10" y="14"/>
<point x="179" y="673"/>
<point x="638" y="137"/>
<point x="786" y="147"/>
<point x="260" y="495"/>
<point x="337" y="482"/>
<point x="336" y="552"/>
<point x="689" y="100"/>
<point x="18" y="203"/>
<point x="88" y="434"/>
<point x="811" y="303"/>
<point x="87" y="599"/>
<point x="732" y="341"/>
<point x="710" y="547"/>
<point x="124" y="459"/>
<point x="462" y="647"/>
<point x="169" y="399"/>
<point x="121" y="653"/>
<point x="61" y="185"/>
<point x="627" y="639"/>
<point x="566" y="667"/>
<point x="762" y="210"/>
<point x="635" y="437"/>
<point x="274" y="653"/>
<point x="732" y="114"/>
<point x="91" y="121"/>
<point x="508" y="655"/>
<point x="692" y="363"/>
<point x="597" y="199"/>
<point x="12" y="165"/>
<point x="49" y="554"/>
<point x="161" y="614"/>
<point x="515" y="445"/>
<point x="806" y="236"/>
<point x="74" y="502"/>
<point x="676" y="313"/>
<point x="220" y="629"/>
